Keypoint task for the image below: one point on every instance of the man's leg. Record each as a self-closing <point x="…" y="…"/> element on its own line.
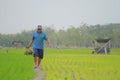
<point x="39" y="61"/>
<point x="35" y="57"/>
<point x="35" y="62"/>
<point x="40" y="57"/>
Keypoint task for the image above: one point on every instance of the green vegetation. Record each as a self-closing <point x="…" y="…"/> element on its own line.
<point x="64" y="64"/>
<point x="77" y="65"/>
<point x="15" y="66"/>
<point x="81" y="36"/>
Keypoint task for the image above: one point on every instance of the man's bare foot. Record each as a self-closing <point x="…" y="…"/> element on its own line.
<point x="35" y="67"/>
<point x="38" y="67"/>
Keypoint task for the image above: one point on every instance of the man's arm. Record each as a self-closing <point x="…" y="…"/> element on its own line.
<point x="48" y="42"/>
<point x="30" y="43"/>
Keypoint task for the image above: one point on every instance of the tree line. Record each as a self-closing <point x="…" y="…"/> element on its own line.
<point x="81" y="36"/>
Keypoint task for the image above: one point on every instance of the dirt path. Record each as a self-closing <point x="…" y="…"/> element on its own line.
<point x="39" y="74"/>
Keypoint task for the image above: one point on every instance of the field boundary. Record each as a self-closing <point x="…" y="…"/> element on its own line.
<point x="39" y="74"/>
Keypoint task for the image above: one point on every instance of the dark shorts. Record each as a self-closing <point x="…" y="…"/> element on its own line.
<point x="38" y="53"/>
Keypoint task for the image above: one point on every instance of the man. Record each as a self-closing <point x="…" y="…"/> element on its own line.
<point x="37" y="40"/>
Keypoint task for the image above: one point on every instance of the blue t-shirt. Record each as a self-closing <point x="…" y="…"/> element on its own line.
<point x="38" y="40"/>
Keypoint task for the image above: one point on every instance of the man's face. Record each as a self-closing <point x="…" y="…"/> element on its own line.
<point x="39" y="30"/>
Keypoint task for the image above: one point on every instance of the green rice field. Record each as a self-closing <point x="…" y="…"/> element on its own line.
<point x="64" y="64"/>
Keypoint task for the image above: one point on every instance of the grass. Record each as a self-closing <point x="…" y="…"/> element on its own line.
<point x="65" y="64"/>
<point x="15" y="66"/>
<point x="80" y="64"/>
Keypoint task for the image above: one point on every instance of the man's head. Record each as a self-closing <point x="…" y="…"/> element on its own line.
<point x="39" y="29"/>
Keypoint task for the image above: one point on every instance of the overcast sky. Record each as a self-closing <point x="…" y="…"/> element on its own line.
<point x="19" y="15"/>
